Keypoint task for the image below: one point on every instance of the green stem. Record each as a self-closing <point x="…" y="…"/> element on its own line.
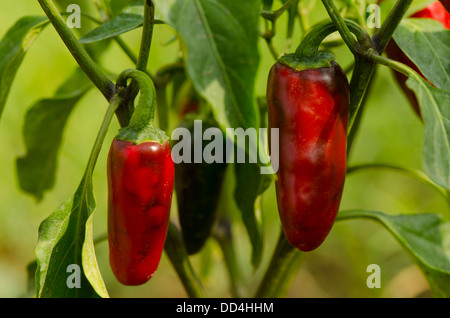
<point x="273" y="15"/>
<point x="387" y="29"/>
<point x="174" y="248"/>
<point x="115" y="101"/>
<point x="310" y="44"/>
<point x="356" y="214"/>
<point x="341" y="25"/>
<point x="144" y="52"/>
<point x="280" y="271"/>
<point x="400" y="67"/>
<point x="223" y="236"/>
<point x="147" y="35"/>
<point x="356" y="122"/>
<point x="86" y="63"/>
<point x="268" y="36"/>
<point x="359" y="84"/>
<point x="145" y="110"/>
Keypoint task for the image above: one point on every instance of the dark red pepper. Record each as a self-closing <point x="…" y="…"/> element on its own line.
<point x="435" y="11"/>
<point x="198" y="187"/>
<point x="140" y="187"/>
<point x="446" y="4"/>
<point x="308" y="101"/>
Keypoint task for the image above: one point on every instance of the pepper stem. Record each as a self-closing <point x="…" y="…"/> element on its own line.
<point x="141" y="127"/>
<point x="308" y="55"/>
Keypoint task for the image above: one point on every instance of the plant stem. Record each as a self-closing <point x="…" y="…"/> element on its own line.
<point x="174" y="248"/>
<point x="224" y="237"/>
<point x="309" y="46"/>
<point x="115" y="101"/>
<point x="359" y="84"/>
<point x="365" y="67"/>
<point x="144" y="52"/>
<point x="145" y="110"/>
<point x="126" y="109"/>
<point x="86" y="63"/>
<point x="268" y="36"/>
<point x="400" y="67"/>
<point x="387" y="29"/>
<point x="342" y="27"/>
<point x="280" y="271"/>
<point x="273" y="15"/>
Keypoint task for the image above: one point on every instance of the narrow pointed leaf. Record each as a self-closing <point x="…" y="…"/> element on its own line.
<point x="43" y="132"/>
<point x="65" y="238"/>
<point x="434" y="104"/>
<point x="13" y="48"/>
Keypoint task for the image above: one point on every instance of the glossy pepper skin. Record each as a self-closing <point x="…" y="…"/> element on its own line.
<point x="140" y="186"/>
<point x="310" y="108"/>
<point x="435" y="11"/>
<point x="198" y="187"/>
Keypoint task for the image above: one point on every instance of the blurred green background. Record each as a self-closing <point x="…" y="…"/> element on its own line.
<point x="390" y="133"/>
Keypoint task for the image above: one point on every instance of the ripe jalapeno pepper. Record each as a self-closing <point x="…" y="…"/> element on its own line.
<point x="308" y="101"/>
<point x="140" y="187"/>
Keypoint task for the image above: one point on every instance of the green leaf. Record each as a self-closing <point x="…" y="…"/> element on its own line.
<point x="13" y="48"/>
<point x="250" y="184"/>
<point x="65" y="237"/>
<point x="221" y="50"/>
<point x="427" y="43"/>
<point x="434" y="104"/>
<point x="42" y="132"/>
<point x="425" y="237"/>
<point x="129" y="19"/>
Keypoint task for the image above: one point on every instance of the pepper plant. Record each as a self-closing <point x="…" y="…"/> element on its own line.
<point x="326" y="56"/>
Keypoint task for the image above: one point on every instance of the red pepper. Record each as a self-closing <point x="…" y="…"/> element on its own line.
<point x="435" y="11"/>
<point x="308" y="100"/>
<point x="140" y="187"/>
<point x="140" y="179"/>
<point x="311" y="109"/>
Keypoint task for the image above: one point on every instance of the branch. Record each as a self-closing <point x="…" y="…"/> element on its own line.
<point x="83" y="59"/>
